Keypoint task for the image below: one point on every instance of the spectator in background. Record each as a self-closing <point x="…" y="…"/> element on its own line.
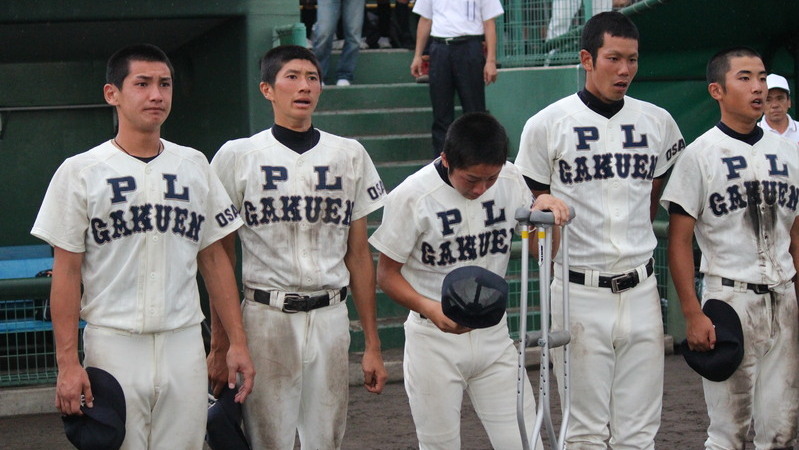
<point x="460" y="61"/>
<point x="328" y="12"/>
<point x="394" y="36"/>
<point x="778" y="102"/>
<point x="563" y="12"/>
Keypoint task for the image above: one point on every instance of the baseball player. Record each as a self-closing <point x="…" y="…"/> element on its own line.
<point x="778" y="102"/>
<point x="456" y="211"/>
<point x="131" y="220"/>
<point x="607" y="154"/>
<point x="736" y="189"/>
<point x="304" y="195"/>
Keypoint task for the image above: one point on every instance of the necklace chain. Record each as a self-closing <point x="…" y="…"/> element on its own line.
<point x="160" y="147"/>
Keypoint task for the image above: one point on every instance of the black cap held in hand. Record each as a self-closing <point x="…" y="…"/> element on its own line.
<point x="101" y="427"/>
<point x="474" y="297"/>
<point x="223" y="431"/>
<point x="721" y="362"/>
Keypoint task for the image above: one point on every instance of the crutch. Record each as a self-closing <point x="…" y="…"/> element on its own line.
<point x="545" y="338"/>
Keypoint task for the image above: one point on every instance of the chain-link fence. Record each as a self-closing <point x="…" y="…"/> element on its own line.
<point x="546" y="32"/>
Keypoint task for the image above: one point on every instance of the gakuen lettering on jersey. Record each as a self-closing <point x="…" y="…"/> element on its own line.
<point x="742" y="194"/>
<point x="470" y="247"/>
<point x="143" y="218"/>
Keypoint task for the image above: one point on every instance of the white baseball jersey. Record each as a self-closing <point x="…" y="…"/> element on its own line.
<point x="297" y="208"/>
<point x="431" y="228"/>
<point x="455" y="18"/>
<point x="791" y="133"/>
<point x="604" y="168"/>
<point x="140" y="226"/>
<point x="744" y="199"/>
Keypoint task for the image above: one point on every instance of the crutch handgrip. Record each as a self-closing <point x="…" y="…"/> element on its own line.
<point x="533" y="338"/>
<point x="559" y="338"/>
<point x="539" y="217"/>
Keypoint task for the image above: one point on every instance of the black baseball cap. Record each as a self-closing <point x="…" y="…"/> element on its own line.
<point x="474" y="297"/>
<point x="223" y="430"/>
<point x="101" y="427"/>
<point x="721" y="362"/>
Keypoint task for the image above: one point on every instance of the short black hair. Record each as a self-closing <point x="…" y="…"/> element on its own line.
<point x="613" y="23"/>
<point x="476" y="138"/>
<point x="275" y="59"/>
<point x="719" y="64"/>
<point x="118" y="66"/>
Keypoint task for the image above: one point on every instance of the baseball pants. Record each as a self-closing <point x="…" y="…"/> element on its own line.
<point x="439" y="366"/>
<point x="616" y="364"/>
<point x="765" y="387"/>
<point x="302" y="362"/>
<point x="165" y="381"/>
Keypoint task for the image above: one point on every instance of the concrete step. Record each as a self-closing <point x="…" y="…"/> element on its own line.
<point x="398" y="147"/>
<point x="374" y="96"/>
<point x="375" y="122"/>
<point x="377" y="67"/>
<point x="393" y="173"/>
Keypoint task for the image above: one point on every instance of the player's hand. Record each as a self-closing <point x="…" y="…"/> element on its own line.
<point x="217" y="369"/>
<point x="490" y="72"/>
<point x="72" y="382"/>
<point x="700" y="333"/>
<point x="374" y="371"/>
<point x="239" y="362"/>
<point x="416" y="67"/>
<point x="558" y="207"/>
<point x="436" y="315"/>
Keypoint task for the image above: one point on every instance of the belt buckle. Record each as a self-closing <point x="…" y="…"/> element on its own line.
<point x="449" y="40"/>
<point x="616" y="285"/>
<point x="292" y="303"/>
<point x="760" y="289"/>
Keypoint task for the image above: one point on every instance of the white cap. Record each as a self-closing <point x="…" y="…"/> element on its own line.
<point x="775" y="81"/>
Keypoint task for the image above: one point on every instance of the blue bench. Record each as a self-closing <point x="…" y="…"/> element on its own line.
<point x="24" y="261"/>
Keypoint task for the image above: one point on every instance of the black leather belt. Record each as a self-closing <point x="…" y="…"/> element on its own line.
<point x="457" y="39"/>
<point x="616" y="283"/>
<point x="293" y="303"/>
<point x="757" y="288"/>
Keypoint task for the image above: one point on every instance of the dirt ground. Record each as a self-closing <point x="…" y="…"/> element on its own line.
<point x="384" y="421"/>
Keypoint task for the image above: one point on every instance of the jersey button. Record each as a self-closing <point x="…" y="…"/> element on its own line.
<point x="152" y="275"/>
<point x="147" y="170"/>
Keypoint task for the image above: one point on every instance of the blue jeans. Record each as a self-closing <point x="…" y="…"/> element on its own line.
<point x="327" y="14"/>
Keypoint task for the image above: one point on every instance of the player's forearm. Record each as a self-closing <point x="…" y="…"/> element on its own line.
<point x="681" y="263"/>
<point x="391" y="281"/>
<point x="654" y="197"/>
<point x="363" y="284"/>
<point x="220" y="282"/>
<point x="65" y="306"/>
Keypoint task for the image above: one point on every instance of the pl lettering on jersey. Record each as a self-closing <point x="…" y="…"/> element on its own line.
<point x="295" y="208"/>
<point x="740" y="195"/>
<point x="468" y="247"/>
<point x="603" y="166"/>
<point x="148" y="217"/>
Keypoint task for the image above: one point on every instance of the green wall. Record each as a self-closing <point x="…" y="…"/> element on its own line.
<point x="51" y="58"/>
<point x="520" y="93"/>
